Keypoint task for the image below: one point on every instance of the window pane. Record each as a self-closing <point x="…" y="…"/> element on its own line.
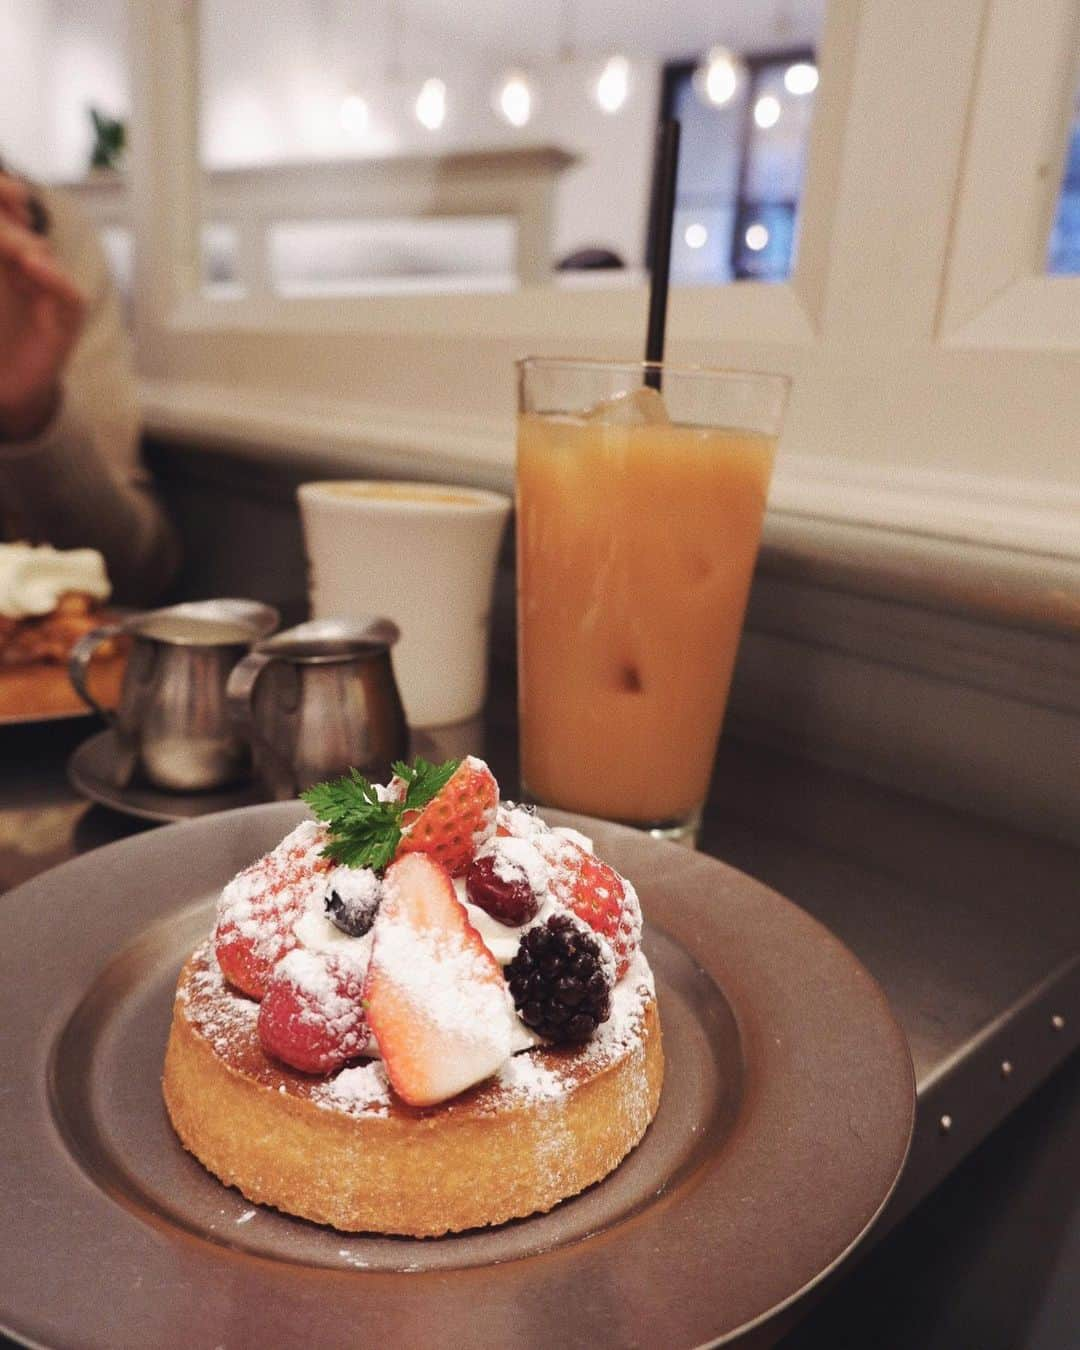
<point x="331" y="84"/>
<point x="741" y="169"/>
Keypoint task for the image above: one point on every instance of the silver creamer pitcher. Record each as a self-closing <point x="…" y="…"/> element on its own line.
<point x="318" y="700"/>
<point x="173" y="721"/>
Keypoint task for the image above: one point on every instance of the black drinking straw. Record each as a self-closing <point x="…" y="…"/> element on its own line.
<point x="663" y="216"/>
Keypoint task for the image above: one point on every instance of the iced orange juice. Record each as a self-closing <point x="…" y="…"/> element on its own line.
<point x="636" y="547"/>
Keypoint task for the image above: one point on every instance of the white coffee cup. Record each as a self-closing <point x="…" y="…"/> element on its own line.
<point x="423" y="555"/>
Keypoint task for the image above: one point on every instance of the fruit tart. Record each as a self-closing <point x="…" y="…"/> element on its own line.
<point x="424" y="1011"/>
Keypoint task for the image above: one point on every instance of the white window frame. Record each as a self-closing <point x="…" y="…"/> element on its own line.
<point x="998" y="292"/>
<point x="165" y="192"/>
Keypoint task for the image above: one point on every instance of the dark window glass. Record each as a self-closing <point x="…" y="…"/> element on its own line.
<point x="1063" y="254"/>
<point x="741" y="169"/>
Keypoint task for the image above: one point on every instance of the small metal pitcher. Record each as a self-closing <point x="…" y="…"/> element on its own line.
<point x="173" y="721"/>
<point x="318" y="700"/>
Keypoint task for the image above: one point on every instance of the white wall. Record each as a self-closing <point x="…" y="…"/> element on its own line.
<point x="277" y="97"/>
<point x="57" y="57"/>
<point x="86" y="49"/>
<point x="23" y="26"/>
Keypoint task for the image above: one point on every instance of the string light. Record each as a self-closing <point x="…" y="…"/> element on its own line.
<point x="717" y="78"/>
<point x="513" y="99"/>
<point x="801" y="78"/>
<point x="696" y="235"/>
<point x="431" y="104"/>
<point x="354" y="114"/>
<point x="767" y="111"/>
<point x="756" y="237"/>
<point x="613" y="86"/>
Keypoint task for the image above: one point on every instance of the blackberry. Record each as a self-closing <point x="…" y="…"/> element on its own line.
<point x="559" y="980"/>
<point x="352" y="914"/>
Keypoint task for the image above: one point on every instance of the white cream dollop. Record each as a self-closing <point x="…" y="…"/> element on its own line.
<point x="34" y="577"/>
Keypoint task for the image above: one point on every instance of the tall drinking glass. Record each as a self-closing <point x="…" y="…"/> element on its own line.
<point x="640" y="497"/>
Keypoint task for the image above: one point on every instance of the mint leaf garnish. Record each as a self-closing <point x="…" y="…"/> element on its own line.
<point x="363" y="831"/>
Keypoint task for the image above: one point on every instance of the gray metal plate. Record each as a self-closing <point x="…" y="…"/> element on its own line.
<point x="784" y="1124"/>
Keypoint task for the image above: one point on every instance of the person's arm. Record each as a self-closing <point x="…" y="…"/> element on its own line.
<point x="69" y="424"/>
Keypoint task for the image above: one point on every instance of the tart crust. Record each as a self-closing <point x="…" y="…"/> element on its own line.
<point x="558" y="1120"/>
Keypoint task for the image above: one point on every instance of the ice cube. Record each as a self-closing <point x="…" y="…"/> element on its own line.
<point x="633" y="407"/>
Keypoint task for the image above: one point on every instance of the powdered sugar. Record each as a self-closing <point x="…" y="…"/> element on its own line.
<point x="357" y="886"/>
<point x="530" y="1079"/>
<point x="219" y="1014"/>
<point x="629" y="999"/>
<point x="264" y="901"/>
<point x="363" y="1090"/>
<point x="448" y="982"/>
<point x="314" y="931"/>
<point x="517" y="859"/>
<point x="521" y="822"/>
<point x="573" y="836"/>
<point x="630" y="920"/>
<point x="486" y="828"/>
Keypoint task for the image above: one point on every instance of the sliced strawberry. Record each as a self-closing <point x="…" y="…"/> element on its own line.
<point x="312" y="1016"/>
<point x="436" y="999"/>
<point x="259" y="908"/>
<point x="457" y="821"/>
<point x="596" y="894"/>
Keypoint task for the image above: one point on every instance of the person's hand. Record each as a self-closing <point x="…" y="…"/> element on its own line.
<point x="41" y="316"/>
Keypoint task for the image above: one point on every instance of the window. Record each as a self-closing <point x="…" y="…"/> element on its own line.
<point x="745" y="128"/>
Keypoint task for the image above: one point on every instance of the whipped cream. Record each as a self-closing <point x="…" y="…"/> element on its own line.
<point x="33" y="578"/>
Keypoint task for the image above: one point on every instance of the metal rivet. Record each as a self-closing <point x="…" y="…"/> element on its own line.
<point x="1006" y="1068"/>
<point x="1057" y="1022"/>
<point x="945" y="1124"/>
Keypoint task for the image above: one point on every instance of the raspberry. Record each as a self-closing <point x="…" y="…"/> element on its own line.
<point x="561" y="980"/>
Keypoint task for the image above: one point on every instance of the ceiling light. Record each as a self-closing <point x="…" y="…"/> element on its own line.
<point x="756" y="237"/>
<point x="431" y="104"/>
<point x="767" y="111"/>
<point x="513" y="100"/>
<point x="696" y="235"/>
<point x="613" y="86"/>
<point x="353" y="114"/>
<point x="717" y="78"/>
<point x="801" y="78"/>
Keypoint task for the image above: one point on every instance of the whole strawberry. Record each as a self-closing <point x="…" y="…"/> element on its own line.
<point x="312" y="1016"/>
<point x="597" y="894"/>
<point x="258" y="909"/>
<point x="458" y="820"/>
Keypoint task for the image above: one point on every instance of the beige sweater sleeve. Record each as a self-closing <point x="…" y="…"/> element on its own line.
<point x="80" y="483"/>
